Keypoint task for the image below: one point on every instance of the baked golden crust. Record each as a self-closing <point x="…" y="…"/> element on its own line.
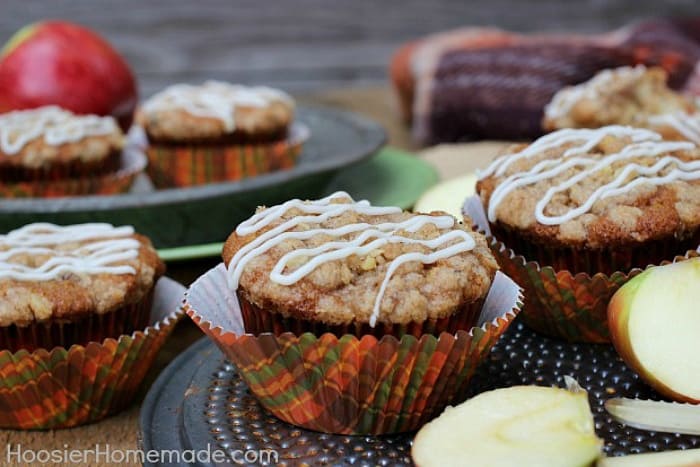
<point x="647" y="212"/>
<point x="39" y="153"/>
<point x="73" y="296"/>
<point x="169" y="122"/>
<point x="622" y="96"/>
<point x="344" y="291"/>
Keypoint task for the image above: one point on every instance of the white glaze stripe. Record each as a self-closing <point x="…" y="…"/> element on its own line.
<point x="105" y="245"/>
<point x="371" y="237"/>
<point x="685" y="124"/>
<point x="586" y="138"/>
<point x="645" y="144"/>
<point x="55" y="125"/>
<point x="214" y="99"/>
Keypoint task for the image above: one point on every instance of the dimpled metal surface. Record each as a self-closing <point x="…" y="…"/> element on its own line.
<point x="232" y="418"/>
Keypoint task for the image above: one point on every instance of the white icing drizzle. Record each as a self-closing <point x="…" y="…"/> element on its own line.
<point x="103" y="245"/>
<point x="214" y="99"/>
<point x="55" y="125"/>
<point x="686" y="124"/>
<point x="370" y="237"/>
<point x="590" y="139"/>
<point x="644" y="143"/>
<point x="564" y="100"/>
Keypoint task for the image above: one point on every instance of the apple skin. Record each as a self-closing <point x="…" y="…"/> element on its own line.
<point x="60" y="63"/>
<point x="618" y="317"/>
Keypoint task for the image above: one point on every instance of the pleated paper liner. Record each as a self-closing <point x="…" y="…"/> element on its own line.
<point x="348" y="384"/>
<point x="132" y="163"/>
<point x="197" y="164"/>
<point x="258" y="320"/>
<point x="61" y="170"/>
<point x="558" y="302"/>
<point x="93" y="327"/>
<point x="606" y="261"/>
<point x="65" y="387"/>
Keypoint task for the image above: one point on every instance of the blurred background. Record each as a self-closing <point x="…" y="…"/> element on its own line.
<point x="306" y="45"/>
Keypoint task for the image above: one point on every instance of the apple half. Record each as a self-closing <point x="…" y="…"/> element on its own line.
<point x="654" y="323"/>
<point x="520" y="425"/>
<point x="447" y="196"/>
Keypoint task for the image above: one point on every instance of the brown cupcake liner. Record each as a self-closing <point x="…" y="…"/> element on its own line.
<point x="64" y="333"/>
<point x="558" y="302"/>
<point x="606" y="260"/>
<point x="61" y="171"/>
<point x="258" y="320"/>
<point x="65" y="387"/>
<point x="131" y="162"/>
<point x="185" y="164"/>
<point x="351" y="384"/>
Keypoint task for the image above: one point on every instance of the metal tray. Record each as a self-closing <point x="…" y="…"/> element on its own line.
<point x="203" y="214"/>
<point x="200" y="400"/>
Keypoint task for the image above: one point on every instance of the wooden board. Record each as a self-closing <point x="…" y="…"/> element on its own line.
<point x="305" y="44"/>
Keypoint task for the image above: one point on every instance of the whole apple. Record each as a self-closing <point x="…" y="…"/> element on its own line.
<point x="60" y="63"/>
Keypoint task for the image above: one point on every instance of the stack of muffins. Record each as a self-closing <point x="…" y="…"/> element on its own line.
<point x="345" y="317"/>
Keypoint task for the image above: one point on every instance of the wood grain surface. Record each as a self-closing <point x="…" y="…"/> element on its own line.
<point x="304" y="45"/>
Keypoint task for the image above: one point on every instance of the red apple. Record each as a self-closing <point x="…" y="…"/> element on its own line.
<point x="59" y="63"/>
<point x="654" y="322"/>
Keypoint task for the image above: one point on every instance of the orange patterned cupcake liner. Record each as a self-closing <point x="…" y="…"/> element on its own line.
<point x="133" y="162"/>
<point x="351" y="384"/>
<point x="558" y="302"/>
<point x="65" y="387"/>
<point x="188" y="165"/>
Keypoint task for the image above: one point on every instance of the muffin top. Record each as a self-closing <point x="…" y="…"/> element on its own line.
<point x="636" y="96"/>
<point x="214" y="111"/>
<point x="337" y="261"/>
<point x="56" y="272"/>
<point x="610" y="186"/>
<point x="48" y="135"/>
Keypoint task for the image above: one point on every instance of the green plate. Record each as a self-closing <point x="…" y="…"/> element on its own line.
<point x="391" y="178"/>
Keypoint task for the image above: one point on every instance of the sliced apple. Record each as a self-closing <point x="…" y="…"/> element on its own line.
<point x="687" y="458"/>
<point x="520" y="425"/>
<point x="654" y="323"/>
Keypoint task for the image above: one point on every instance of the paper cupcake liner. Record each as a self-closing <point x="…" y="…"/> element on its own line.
<point x="196" y="164"/>
<point x="257" y="320"/>
<point x="61" y="171"/>
<point x="132" y="163"/>
<point x="558" y="302"/>
<point x="606" y="261"/>
<point x="63" y="333"/>
<point x="65" y="387"/>
<point x="348" y="384"/>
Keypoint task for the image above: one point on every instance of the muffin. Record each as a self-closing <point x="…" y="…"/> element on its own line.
<point x="65" y="285"/>
<point x="333" y="312"/>
<point x="591" y="201"/>
<point x="49" y="143"/>
<point x="334" y="265"/>
<point x="216" y="131"/>
<point x="636" y="96"/>
<point x="579" y="212"/>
